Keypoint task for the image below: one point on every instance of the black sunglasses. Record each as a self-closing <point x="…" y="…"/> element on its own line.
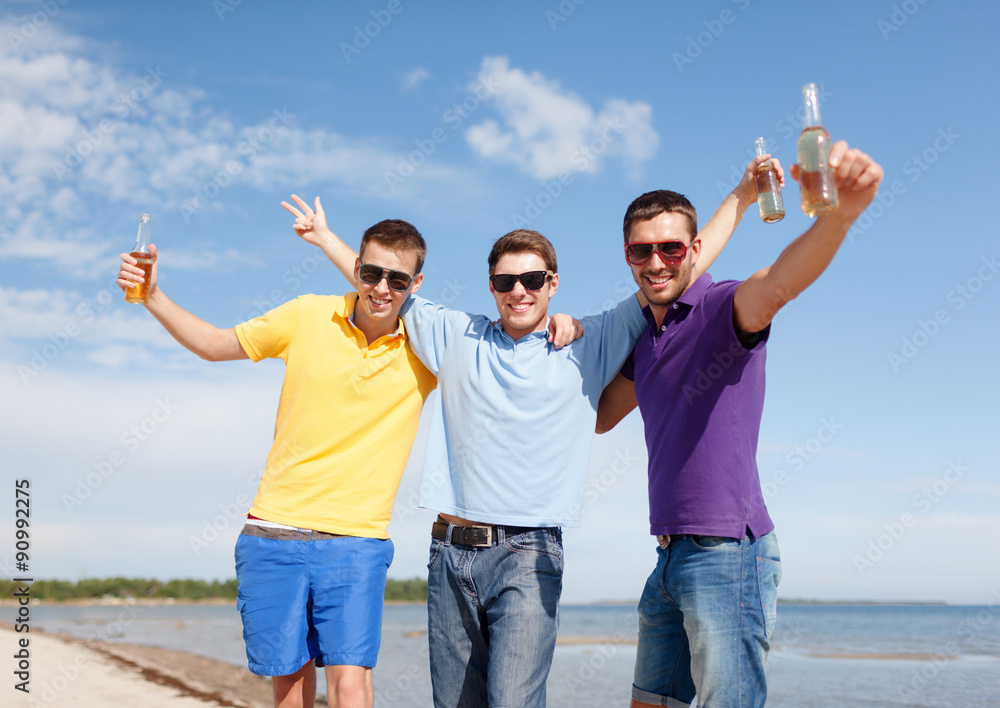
<point x="373" y="274"/>
<point x="670" y="251"/>
<point x="532" y="280"/>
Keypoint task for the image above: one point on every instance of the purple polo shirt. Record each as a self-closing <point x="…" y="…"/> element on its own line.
<point x="701" y="395"/>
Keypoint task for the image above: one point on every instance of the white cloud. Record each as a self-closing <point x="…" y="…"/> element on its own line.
<point x="81" y="138"/>
<point x="415" y="77"/>
<point x="545" y="130"/>
<point x="88" y="317"/>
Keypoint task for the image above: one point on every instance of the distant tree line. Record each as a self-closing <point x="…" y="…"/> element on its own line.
<point x="414" y="589"/>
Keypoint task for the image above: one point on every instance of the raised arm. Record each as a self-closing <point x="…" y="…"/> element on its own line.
<point x="715" y="233"/>
<point x="617" y="401"/>
<point x="311" y="226"/>
<point x="206" y="340"/>
<point x="758" y="299"/>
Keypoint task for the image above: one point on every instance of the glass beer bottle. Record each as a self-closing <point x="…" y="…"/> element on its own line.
<point x="772" y="206"/>
<point x="819" y="192"/>
<point x="140" y="252"/>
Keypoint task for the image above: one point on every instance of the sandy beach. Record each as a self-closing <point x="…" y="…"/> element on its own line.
<point x="71" y="672"/>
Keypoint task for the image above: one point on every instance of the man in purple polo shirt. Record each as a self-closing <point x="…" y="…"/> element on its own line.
<point x="697" y="374"/>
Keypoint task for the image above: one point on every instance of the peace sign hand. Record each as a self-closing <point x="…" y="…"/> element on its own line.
<point x="310" y="224"/>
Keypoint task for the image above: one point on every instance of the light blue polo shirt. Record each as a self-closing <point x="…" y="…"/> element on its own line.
<point x="511" y="436"/>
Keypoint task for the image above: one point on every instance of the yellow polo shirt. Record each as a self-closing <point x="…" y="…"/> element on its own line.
<point x="346" y="420"/>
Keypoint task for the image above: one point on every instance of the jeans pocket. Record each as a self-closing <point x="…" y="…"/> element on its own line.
<point x="715" y="543"/>
<point x="545" y="542"/>
<point x="436" y="549"/>
<point x="768" y="577"/>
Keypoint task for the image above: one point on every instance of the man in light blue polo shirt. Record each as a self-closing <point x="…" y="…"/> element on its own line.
<point x="507" y="456"/>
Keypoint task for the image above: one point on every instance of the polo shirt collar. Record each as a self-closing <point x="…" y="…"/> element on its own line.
<point x="690" y="297"/>
<point x="498" y="325"/>
<point x="696" y="291"/>
<point x="344" y="310"/>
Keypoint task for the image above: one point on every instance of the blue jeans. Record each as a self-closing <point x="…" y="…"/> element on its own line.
<point x="705" y="622"/>
<point x="492" y="615"/>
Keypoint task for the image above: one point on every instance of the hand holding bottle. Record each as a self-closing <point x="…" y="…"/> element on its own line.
<point x="768" y="183"/>
<point x="132" y="276"/>
<point x="857" y="178"/>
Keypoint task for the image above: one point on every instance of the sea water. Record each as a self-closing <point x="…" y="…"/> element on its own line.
<point x="822" y="656"/>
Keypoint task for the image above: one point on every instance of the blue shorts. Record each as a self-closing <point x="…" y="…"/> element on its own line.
<point x="304" y="595"/>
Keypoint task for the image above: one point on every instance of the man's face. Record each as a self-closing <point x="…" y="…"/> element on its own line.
<point x="661" y="282"/>
<point x="523" y="311"/>
<point x="378" y="304"/>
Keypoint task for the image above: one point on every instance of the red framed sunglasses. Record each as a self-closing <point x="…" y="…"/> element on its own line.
<point x="672" y="252"/>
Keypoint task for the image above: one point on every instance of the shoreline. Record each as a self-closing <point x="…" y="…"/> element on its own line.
<point x="94" y="674"/>
<point x="219" y="601"/>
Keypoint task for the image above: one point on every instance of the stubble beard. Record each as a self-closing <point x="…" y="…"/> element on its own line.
<point x="679" y="283"/>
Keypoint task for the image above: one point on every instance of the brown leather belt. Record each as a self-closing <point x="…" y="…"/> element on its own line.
<point x="475" y="536"/>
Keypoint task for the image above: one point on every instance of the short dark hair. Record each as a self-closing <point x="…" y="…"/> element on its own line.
<point x="397" y="235"/>
<point x="522" y="241"/>
<point x="652" y="204"/>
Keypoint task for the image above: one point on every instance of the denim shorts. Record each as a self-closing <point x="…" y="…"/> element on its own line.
<point x="304" y="598"/>
<point x="705" y="622"/>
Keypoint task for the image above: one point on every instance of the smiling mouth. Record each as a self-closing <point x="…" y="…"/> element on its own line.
<point x="521" y="307"/>
<point x="379" y="302"/>
<point x="658" y="279"/>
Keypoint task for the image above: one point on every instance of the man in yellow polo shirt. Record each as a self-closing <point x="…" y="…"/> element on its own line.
<point x="312" y="559"/>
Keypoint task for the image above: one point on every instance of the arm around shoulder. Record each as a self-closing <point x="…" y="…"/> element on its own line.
<point x="617" y="401"/>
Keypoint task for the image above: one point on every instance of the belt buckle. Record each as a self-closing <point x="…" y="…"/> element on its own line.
<point x="477" y="532"/>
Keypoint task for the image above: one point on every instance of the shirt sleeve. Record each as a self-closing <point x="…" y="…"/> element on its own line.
<point x="269" y="335"/>
<point x="614" y="334"/>
<point x="628" y="368"/>
<point x="722" y="328"/>
<point x="428" y="329"/>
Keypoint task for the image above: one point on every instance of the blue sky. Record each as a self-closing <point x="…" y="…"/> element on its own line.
<point x="878" y="448"/>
